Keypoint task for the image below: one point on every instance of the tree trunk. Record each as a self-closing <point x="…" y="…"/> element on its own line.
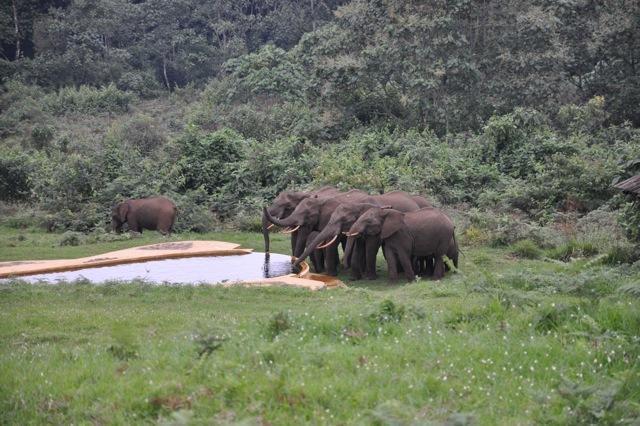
<point x="16" y="29"/>
<point x="164" y="72"/>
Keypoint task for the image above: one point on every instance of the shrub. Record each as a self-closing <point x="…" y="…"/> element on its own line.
<point x="142" y="83"/>
<point x="526" y="249"/>
<point x="88" y="100"/>
<point x="572" y="249"/>
<point x="622" y="254"/>
<point x="41" y="136"/>
<point x="15" y="175"/>
<point x="207" y="160"/>
<point x="71" y="238"/>
<point x="138" y="132"/>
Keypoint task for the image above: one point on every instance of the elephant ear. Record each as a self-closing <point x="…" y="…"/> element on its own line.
<point x="393" y="222"/>
<point x="123" y="211"/>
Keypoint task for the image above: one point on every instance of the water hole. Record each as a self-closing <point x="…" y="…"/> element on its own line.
<point x="190" y="270"/>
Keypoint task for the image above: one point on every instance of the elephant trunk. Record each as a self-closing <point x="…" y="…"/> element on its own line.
<point x="265" y="231"/>
<point x="348" y="250"/>
<point x="327" y="233"/>
<point x="280" y="222"/>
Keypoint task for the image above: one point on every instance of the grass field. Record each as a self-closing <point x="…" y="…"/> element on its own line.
<point x="503" y="341"/>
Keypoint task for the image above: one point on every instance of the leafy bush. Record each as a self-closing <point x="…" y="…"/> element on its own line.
<point x="139" y="132"/>
<point x="572" y="249"/>
<point x="88" y="100"/>
<point x="526" y="249"/>
<point x="71" y="238"/>
<point x="15" y="175"/>
<point x="142" y="83"/>
<point x="620" y="254"/>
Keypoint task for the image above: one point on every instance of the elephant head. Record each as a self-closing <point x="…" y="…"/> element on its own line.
<point x="283" y="205"/>
<point x="303" y="220"/>
<point x="340" y="221"/>
<point x="119" y="216"/>
<point x="378" y="221"/>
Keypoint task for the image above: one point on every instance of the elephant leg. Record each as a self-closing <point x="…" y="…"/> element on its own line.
<point x="405" y="262"/>
<point x="331" y="259"/>
<point x="316" y="259"/>
<point x="392" y="264"/>
<point x="438" y="269"/>
<point x="356" y="255"/>
<point x="429" y="266"/>
<point x="133" y="226"/>
<point x="371" y="253"/>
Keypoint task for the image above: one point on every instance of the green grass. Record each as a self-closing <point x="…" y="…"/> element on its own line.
<point x="504" y="341"/>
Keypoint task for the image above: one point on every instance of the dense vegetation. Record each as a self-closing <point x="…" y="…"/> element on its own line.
<point x="515" y="116"/>
<point x="525" y="107"/>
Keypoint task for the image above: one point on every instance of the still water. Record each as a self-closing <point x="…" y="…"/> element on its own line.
<point x="191" y="270"/>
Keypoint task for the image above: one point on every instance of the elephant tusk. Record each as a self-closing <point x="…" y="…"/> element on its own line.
<point x="327" y="244"/>
<point x="353" y="234"/>
<point x="289" y="231"/>
<point x="271" y="225"/>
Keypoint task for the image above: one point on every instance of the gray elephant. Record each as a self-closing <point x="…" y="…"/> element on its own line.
<point x="154" y="213"/>
<point x="340" y="221"/>
<point x="362" y="257"/>
<point x="312" y="214"/>
<point x="284" y="204"/>
<point x="426" y="232"/>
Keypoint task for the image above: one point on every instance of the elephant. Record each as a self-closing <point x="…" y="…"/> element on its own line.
<point x="314" y="215"/>
<point x="340" y="221"/>
<point x="426" y="232"/>
<point x="424" y="265"/>
<point x="421" y="201"/>
<point x="154" y="213"/>
<point x="284" y="204"/>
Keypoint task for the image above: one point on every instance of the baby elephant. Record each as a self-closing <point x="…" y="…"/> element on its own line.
<point x="426" y="232"/>
<point x="145" y="213"/>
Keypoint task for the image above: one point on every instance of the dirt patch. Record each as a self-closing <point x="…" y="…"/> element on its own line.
<point x="168" y="246"/>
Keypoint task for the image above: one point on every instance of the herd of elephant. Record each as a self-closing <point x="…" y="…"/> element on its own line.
<point x="414" y="235"/>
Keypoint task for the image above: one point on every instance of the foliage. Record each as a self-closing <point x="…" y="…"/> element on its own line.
<point x="526" y="249"/>
<point x="15" y="170"/>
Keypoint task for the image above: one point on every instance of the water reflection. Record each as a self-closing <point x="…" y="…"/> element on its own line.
<point x="192" y="270"/>
<point x="276" y="267"/>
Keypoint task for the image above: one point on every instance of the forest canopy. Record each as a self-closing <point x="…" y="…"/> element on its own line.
<point x="527" y="106"/>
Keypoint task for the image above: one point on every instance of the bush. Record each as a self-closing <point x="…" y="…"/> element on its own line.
<point x="138" y="132"/>
<point x="572" y="249"/>
<point x="71" y="238"/>
<point x="88" y="100"/>
<point x="620" y="254"/>
<point x="141" y="83"/>
<point x="41" y="136"/>
<point x="526" y="249"/>
<point x="15" y="175"/>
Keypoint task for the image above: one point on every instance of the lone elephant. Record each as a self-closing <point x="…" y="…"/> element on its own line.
<point x="154" y="213"/>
